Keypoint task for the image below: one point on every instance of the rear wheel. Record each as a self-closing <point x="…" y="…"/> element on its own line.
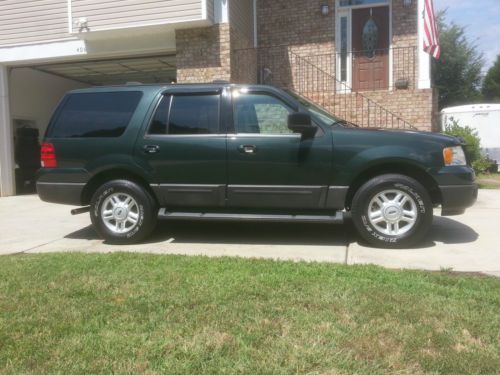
<point x="392" y="211"/>
<point x="123" y="212"/>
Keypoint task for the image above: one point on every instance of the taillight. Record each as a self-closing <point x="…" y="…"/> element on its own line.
<point x="48" y="155"/>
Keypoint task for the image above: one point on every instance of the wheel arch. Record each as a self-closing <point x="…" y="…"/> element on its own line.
<point x="405" y="169"/>
<point x="113" y="174"/>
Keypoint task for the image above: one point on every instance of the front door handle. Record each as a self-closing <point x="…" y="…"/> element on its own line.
<point x="151" y="149"/>
<point x="247" y="149"/>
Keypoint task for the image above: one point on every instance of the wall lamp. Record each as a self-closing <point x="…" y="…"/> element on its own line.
<point x="325" y="10"/>
<point x="407" y="3"/>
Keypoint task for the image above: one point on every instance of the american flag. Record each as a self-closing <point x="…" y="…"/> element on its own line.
<point x="431" y="35"/>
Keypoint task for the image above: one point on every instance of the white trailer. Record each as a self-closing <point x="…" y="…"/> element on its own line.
<point x="485" y="118"/>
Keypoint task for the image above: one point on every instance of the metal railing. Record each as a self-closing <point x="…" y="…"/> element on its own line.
<point x="313" y="77"/>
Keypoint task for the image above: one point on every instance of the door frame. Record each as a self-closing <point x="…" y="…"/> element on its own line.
<point x="184" y="194"/>
<point x="346" y="11"/>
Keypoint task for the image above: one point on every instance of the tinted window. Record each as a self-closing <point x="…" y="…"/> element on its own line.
<point x="194" y="114"/>
<point x="260" y="113"/>
<point x="160" y="119"/>
<point x="103" y="114"/>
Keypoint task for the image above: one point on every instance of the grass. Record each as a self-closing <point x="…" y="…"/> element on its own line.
<point x="489" y="181"/>
<point x="146" y="314"/>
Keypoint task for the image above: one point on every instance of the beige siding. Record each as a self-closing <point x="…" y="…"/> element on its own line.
<point x="113" y="14"/>
<point x="25" y="21"/>
<point x="241" y="19"/>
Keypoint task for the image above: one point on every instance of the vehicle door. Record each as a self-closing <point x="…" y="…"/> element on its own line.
<point x="269" y="166"/>
<point x="184" y="148"/>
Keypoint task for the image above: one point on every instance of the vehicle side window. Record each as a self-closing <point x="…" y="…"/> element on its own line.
<point x="194" y="114"/>
<point x="95" y="115"/>
<point x="260" y="113"/>
<point x="160" y="119"/>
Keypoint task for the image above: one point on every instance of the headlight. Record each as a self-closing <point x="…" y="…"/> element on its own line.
<point x="454" y="156"/>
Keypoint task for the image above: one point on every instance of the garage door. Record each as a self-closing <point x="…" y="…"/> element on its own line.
<point x="146" y="69"/>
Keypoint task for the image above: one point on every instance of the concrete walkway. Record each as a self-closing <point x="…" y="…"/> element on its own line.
<point x="469" y="243"/>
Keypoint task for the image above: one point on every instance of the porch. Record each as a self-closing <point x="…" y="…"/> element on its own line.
<point x="379" y="98"/>
<point x="361" y="59"/>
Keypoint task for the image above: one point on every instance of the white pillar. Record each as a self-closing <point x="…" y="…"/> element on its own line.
<point x="7" y="181"/>
<point x="221" y="11"/>
<point x="424" y="60"/>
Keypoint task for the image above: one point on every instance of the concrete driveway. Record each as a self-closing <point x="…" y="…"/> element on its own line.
<point x="469" y="243"/>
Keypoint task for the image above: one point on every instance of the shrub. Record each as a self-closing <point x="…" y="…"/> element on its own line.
<point x="471" y="138"/>
<point x="484" y="165"/>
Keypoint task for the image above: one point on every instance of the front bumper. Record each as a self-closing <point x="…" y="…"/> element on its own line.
<point x="456" y="198"/>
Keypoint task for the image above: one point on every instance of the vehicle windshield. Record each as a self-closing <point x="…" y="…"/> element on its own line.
<point x="318" y="113"/>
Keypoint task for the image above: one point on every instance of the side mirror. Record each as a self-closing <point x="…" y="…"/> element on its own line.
<point x="301" y="122"/>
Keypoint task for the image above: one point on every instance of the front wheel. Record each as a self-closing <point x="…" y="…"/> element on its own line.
<point x="392" y="211"/>
<point x="123" y="212"/>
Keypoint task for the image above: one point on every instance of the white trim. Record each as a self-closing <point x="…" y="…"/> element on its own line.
<point x="43" y="51"/>
<point x="378" y="3"/>
<point x="70" y="18"/>
<point x="36" y="42"/>
<point x="110" y="47"/>
<point x="391" y="50"/>
<point x="7" y="182"/>
<point x="340" y="13"/>
<point x="75" y="36"/>
<point x="195" y="22"/>
<point x="424" y="59"/>
<point x="203" y="9"/>
<point x="255" y="34"/>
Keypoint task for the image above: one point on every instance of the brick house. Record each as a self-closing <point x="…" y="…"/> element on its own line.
<point x="361" y="59"/>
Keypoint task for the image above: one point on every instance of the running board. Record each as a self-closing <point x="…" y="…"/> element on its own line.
<point x="338" y="218"/>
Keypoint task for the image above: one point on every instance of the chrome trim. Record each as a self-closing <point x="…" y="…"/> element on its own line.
<point x="279" y="186"/>
<point x="189" y="185"/>
<point x="152" y="136"/>
<point x="62" y="183"/>
<point x="259" y="135"/>
<point x="338" y="218"/>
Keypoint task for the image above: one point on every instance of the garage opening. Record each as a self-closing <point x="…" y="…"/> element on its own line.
<point x="35" y="91"/>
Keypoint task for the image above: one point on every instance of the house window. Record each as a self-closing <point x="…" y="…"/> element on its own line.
<point x="348" y="3"/>
<point x="370" y="38"/>
<point x="343" y="49"/>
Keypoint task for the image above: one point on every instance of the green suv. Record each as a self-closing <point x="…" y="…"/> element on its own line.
<point x="132" y="154"/>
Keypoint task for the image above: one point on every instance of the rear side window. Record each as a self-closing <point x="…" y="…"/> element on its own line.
<point x="95" y="115"/>
<point x="187" y="115"/>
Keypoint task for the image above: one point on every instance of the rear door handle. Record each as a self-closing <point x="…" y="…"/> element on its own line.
<point x="247" y="149"/>
<point x="151" y="149"/>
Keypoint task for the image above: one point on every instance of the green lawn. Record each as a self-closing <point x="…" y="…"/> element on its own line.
<point x="489" y="181"/>
<point x="146" y="314"/>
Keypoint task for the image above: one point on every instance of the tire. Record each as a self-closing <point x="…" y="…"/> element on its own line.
<point x="123" y="212"/>
<point x="392" y="211"/>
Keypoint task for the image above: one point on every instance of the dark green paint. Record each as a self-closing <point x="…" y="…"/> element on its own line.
<point x="336" y="156"/>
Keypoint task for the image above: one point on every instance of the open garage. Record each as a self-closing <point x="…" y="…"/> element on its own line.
<point x="35" y="90"/>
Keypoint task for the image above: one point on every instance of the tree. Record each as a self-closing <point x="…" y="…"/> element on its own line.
<point x="457" y="74"/>
<point x="491" y="84"/>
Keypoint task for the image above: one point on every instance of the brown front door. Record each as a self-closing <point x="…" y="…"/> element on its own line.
<point x="370" y="44"/>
